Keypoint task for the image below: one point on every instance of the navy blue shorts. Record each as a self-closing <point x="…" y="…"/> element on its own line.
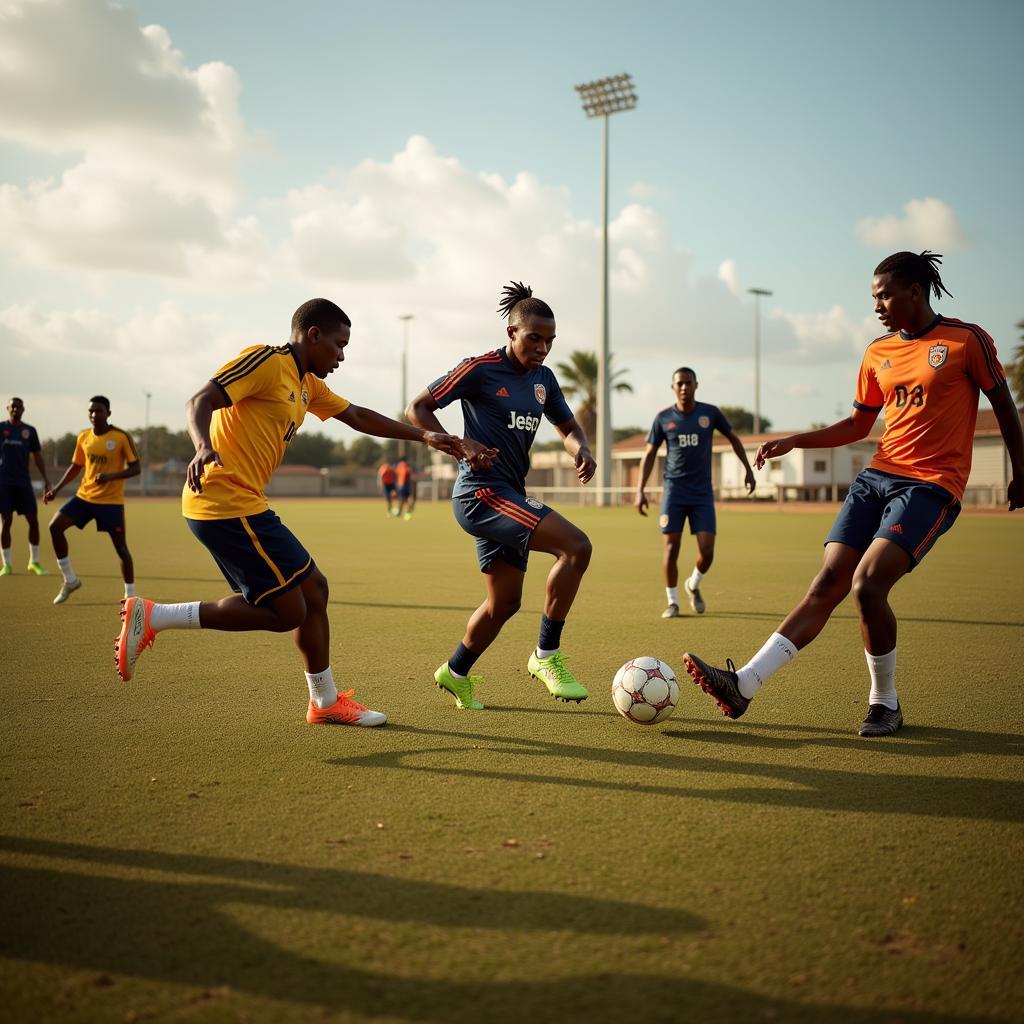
<point x="403" y="493"/>
<point x="502" y="520"/>
<point x="389" y="490"/>
<point x="258" y="555"/>
<point x="674" y="514"/>
<point x="18" y="498"/>
<point x="911" y="513"/>
<point x="109" y="518"/>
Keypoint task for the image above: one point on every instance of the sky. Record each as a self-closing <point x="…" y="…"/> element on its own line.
<point x="177" y="176"/>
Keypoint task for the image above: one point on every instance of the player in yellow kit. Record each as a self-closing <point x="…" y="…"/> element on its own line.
<point x="241" y="422"/>
<point x="108" y="457"/>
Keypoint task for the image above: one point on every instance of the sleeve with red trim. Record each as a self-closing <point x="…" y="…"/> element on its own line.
<point x="464" y="381"/>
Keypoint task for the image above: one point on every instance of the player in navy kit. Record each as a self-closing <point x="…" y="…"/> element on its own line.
<point x="687" y="428"/>
<point x="504" y="393"/>
<point x="17" y="442"/>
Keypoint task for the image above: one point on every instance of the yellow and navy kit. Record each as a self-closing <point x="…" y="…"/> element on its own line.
<point x="109" y="452"/>
<point x="269" y="397"/>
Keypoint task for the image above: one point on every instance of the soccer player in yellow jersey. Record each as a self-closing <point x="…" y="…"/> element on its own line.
<point x="241" y="422"/>
<point x="108" y="456"/>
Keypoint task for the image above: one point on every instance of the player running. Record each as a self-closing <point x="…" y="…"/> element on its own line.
<point x="108" y="456"/>
<point x="688" y="429"/>
<point x="241" y="422"/>
<point x="405" y="482"/>
<point x="503" y="395"/>
<point x="926" y="374"/>
<point x="18" y="440"/>
<point x="386" y="482"/>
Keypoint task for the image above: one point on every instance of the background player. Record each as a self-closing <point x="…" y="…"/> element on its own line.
<point x="503" y="394"/>
<point x="386" y="482"/>
<point x="405" y="482"/>
<point x="17" y="441"/>
<point x="241" y="422"/>
<point x="688" y="428"/>
<point x="109" y="457"/>
<point x="926" y="373"/>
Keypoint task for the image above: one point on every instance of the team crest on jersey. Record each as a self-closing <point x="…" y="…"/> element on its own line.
<point x="534" y="503"/>
<point x="937" y="355"/>
<point x="540" y="393"/>
<point x="671" y="425"/>
<point x="663" y="520"/>
<point x="704" y="421"/>
<point x="25" y="435"/>
<point x="110" y="446"/>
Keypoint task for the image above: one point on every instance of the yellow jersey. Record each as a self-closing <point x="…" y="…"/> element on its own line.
<point x="268" y="397"/>
<point x="109" y="452"/>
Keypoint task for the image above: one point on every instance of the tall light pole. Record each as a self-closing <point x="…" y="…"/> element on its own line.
<point x="405" y="318"/>
<point x="757" y="293"/>
<point x="145" y="446"/>
<point x="602" y="98"/>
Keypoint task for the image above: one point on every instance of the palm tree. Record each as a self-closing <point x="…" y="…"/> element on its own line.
<point x="1015" y="370"/>
<point x="578" y="378"/>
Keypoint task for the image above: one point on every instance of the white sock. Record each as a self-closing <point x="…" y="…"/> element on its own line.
<point x="672" y="593"/>
<point x="129" y="590"/>
<point x="64" y="564"/>
<point x="33" y="552"/>
<point x="547" y="654"/>
<point x="695" y="577"/>
<point x="7" y="556"/>
<point x="883" y="679"/>
<point x="322" y="691"/>
<point x="174" y="616"/>
<point x="778" y="651"/>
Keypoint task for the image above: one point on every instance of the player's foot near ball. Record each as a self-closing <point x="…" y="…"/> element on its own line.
<point x="345" y="711"/>
<point x="881" y="721"/>
<point x="36" y="569"/>
<point x="460" y="689"/>
<point x="561" y="683"/>
<point x="66" y="590"/>
<point x="696" y="601"/>
<point x="135" y="636"/>
<point x="671" y="612"/>
<point x="722" y="684"/>
<point x="6" y="569"/>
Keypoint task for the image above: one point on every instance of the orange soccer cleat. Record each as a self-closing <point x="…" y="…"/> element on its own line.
<point x="135" y="636"/>
<point x="344" y="711"/>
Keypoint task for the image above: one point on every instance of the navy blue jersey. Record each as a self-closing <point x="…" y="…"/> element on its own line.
<point x="689" y="436"/>
<point x="502" y="404"/>
<point x="17" y="442"/>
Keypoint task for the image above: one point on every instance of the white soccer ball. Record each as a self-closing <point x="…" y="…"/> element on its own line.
<point x="645" y="691"/>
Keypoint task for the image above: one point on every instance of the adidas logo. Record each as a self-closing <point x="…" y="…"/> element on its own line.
<point x="896" y="528"/>
<point x="291" y="397"/>
<point x="887" y="365"/>
<point x="502" y="393"/>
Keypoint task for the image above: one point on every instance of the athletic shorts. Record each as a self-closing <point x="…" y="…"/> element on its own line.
<point x="502" y="520"/>
<point x="403" y="493"/>
<point x="109" y="518"/>
<point x="389" y="490"/>
<point x="19" y="498"/>
<point x="675" y="513"/>
<point x="911" y="513"/>
<point x="258" y="555"/>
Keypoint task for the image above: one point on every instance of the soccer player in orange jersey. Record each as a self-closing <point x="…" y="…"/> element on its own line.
<point x="241" y="422"/>
<point x="926" y="373"/>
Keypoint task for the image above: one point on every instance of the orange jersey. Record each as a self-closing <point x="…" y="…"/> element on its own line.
<point x="386" y="475"/>
<point x="103" y="453"/>
<point x="928" y="385"/>
<point x="269" y="398"/>
<point x="403" y="471"/>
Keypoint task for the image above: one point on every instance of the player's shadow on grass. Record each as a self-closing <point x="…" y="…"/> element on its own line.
<point x="849" y="617"/>
<point x="812" y="788"/>
<point x="178" y="925"/>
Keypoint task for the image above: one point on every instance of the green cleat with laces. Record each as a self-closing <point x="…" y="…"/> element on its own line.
<point x="36" y="569"/>
<point x="7" y="569"/>
<point x="556" y="677"/>
<point x="460" y="689"/>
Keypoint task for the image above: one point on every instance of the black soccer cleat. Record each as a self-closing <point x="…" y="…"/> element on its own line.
<point x="721" y="683"/>
<point x="881" y="721"/>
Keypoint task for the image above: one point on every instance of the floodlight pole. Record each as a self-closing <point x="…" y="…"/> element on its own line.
<point x="145" y="447"/>
<point x="405" y="318"/>
<point x="757" y="293"/>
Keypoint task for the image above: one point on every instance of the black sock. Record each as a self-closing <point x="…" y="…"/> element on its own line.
<point x="550" y="634"/>
<point x="462" y="660"/>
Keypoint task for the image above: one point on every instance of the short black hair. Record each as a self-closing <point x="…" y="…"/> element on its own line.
<point x="320" y="313"/>
<point x="685" y="369"/>
<point x="15" y="398"/>
<point x="100" y="400"/>
<point x="916" y="268"/>
<point x="516" y="301"/>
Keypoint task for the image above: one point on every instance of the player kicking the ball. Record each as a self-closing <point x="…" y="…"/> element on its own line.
<point x="241" y="421"/>
<point x="926" y="374"/>
<point x="504" y="394"/>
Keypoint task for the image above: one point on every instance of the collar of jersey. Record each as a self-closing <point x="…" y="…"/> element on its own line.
<point x="921" y="334"/>
<point x="298" y="365"/>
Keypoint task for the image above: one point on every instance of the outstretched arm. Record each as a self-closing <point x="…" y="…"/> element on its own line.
<point x="855" y="427"/>
<point x="421" y="412"/>
<point x="575" y="441"/>
<point x="367" y="421"/>
<point x="1009" y="426"/>
<point x="646" y="465"/>
<point x="741" y="454"/>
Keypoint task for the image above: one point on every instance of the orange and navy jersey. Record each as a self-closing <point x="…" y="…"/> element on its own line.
<point x="386" y="475"/>
<point x="109" y="452"/>
<point x="403" y="474"/>
<point x="268" y="397"/>
<point x="928" y="385"/>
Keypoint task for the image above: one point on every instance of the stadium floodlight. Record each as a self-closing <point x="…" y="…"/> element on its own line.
<point x="602" y="98"/>
<point x="145" y="447"/>
<point x="405" y="318"/>
<point x="757" y="293"/>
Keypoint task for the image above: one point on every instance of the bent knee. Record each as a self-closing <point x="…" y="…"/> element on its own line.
<point x="503" y="610"/>
<point x="869" y="592"/>
<point x="580" y="550"/>
<point x="829" y="585"/>
<point x="317" y="590"/>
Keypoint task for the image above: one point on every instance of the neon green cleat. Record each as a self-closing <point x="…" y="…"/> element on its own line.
<point x="7" y="570"/>
<point x="460" y="689"/>
<point x="36" y="568"/>
<point x="561" y="683"/>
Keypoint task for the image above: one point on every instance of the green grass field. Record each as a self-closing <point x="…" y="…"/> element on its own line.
<point x="186" y="848"/>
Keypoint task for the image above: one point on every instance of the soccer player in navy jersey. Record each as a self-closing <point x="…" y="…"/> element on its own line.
<point x="18" y="441"/>
<point x="687" y="427"/>
<point x="504" y="393"/>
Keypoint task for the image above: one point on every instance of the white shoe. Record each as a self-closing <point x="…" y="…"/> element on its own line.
<point x="66" y="590"/>
<point x="670" y="612"/>
<point x="696" y="601"/>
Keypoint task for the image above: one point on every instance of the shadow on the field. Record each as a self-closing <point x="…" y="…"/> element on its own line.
<point x="811" y="787"/>
<point x="848" y="617"/>
<point x="179" y="924"/>
<point x="400" y="606"/>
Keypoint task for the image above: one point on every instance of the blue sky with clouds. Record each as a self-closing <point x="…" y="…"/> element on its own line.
<point x="169" y="195"/>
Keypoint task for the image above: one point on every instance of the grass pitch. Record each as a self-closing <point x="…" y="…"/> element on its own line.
<point x="186" y="848"/>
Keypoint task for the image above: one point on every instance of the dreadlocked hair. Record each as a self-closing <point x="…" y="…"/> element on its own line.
<point x="518" y="297"/>
<point x="915" y="268"/>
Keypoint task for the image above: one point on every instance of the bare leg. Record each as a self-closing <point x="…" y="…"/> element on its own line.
<point x="5" y="530"/>
<point x="313" y="637"/>
<point x="672" y="542"/>
<point x="882" y="566"/>
<point x="705" y="551"/>
<point x="826" y="593"/>
<point x="571" y="547"/>
<point x="235" y="615"/>
<point x="59" y="525"/>
<point x="127" y="565"/>
<point x="504" y="595"/>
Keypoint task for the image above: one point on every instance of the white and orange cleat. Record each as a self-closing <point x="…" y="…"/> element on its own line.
<point x="135" y="636"/>
<point x="344" y="711"/>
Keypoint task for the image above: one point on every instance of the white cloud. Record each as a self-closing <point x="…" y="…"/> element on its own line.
<point x="727" y="274"/>
<point x="926" y="224"/>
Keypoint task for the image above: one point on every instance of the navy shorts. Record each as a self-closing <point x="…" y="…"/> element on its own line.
<point x="911" y="513"/>
<point x="18" y="498"/>
<point x="258" y="555"/>
<point x="389" y="490"/>
<point x="502" y="520"/>
<point x="403" y="493"/>
<point x="109" y="518"/>
<point x="675" y="512"/>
